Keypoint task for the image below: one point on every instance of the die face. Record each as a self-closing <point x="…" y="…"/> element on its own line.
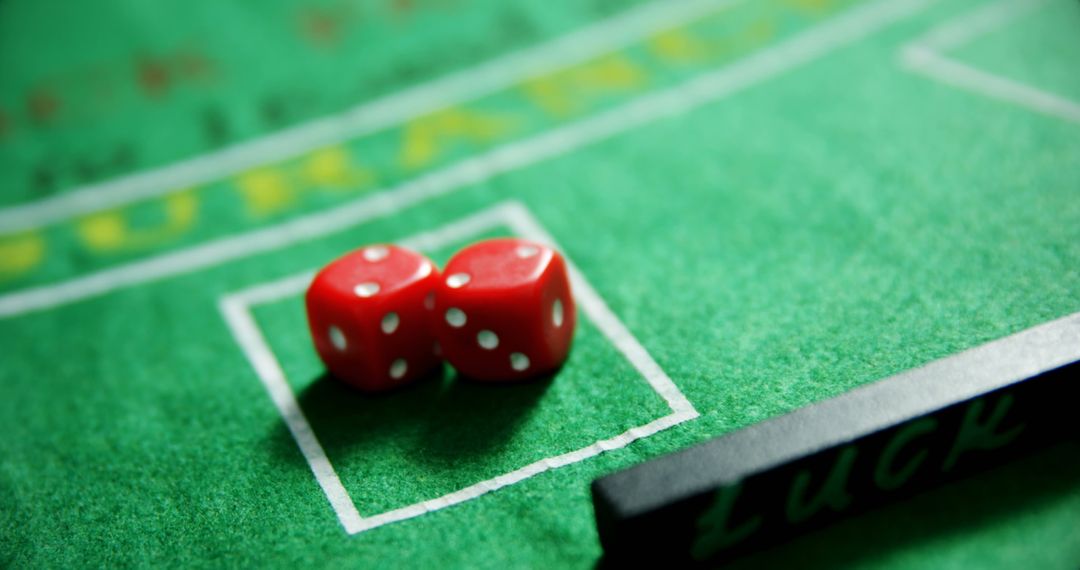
<point x="495" y="310"/>
<point x="557" y="312"/>
<point x="376" y="272"/>
<point x="499" y="266"/>
<point x="369" y="318"/>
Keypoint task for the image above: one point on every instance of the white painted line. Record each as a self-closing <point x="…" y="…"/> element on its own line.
<point x="472" y="225"/>
<point x="236" y="308"/>
<point x="963" y="76"/>
<point x="251" y="341"/>
<point x="469" y="84"/>
<point x="925" y="56"/>
<point x="547" y="464"/>
<point x="976" y="23"/>
<point x="726" y="81"/>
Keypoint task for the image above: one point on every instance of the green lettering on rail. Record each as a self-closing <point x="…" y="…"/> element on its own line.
<point x="714" y="532"/>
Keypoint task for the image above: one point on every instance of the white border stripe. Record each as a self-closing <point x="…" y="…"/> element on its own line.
<point x="979" y="22"/>
<point x="251" y="340"/>
<point x="956" y="74"/>
<point x="925" y="56"/>
<point x="506" y="71"/>
<point x="547" y="464"/>
<point x="761" y="66"/>
<point x="459" y="230"/>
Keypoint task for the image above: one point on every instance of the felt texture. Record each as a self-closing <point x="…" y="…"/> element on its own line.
<point x="836" y="224"/>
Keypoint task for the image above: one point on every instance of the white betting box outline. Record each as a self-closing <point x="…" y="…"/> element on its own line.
<point x="925" y="55"/>
<point x="236" y="309"/>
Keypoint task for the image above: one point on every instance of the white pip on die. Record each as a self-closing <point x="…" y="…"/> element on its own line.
<point x="504" y="310"/>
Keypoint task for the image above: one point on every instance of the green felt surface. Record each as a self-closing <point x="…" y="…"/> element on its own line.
<point x="823" y="228"/>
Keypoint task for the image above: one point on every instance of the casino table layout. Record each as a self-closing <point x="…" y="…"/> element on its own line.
<point x="766" y="204"/>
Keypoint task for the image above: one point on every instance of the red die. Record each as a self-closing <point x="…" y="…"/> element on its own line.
<point x="503" y="310"/>
<point x="369" y="316"/>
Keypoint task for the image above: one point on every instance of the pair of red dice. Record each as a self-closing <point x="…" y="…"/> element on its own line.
<point x="383" y="316"/>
